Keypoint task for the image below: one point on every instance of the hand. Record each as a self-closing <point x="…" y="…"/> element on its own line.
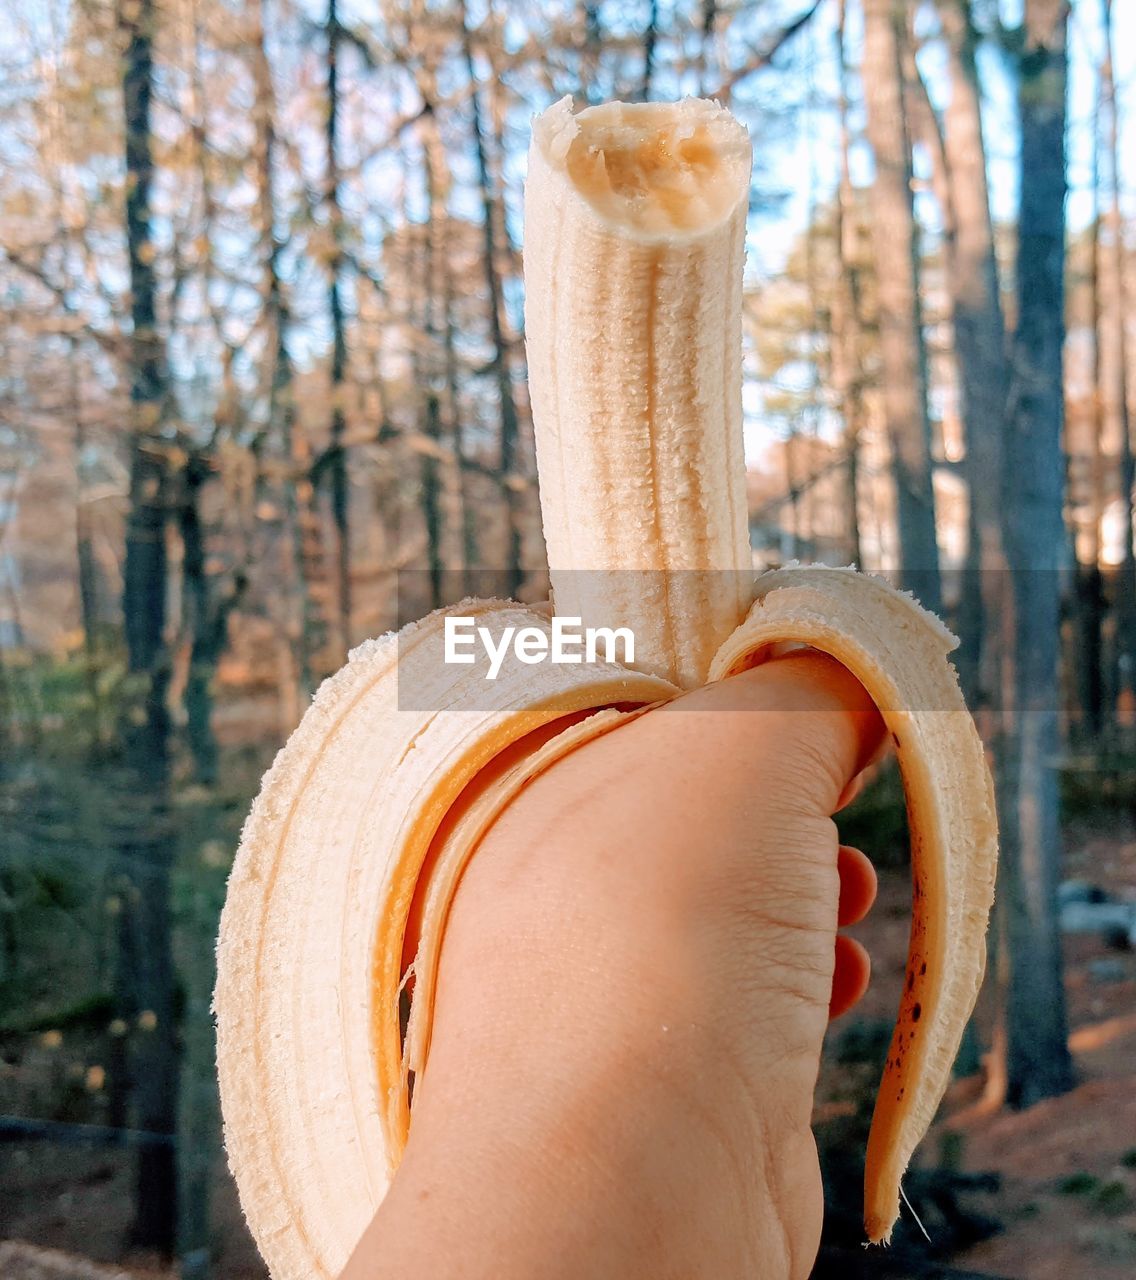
<point x="639" y="967"/>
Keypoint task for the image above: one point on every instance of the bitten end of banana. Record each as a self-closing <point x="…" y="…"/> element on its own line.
<point x="654" y="170"/>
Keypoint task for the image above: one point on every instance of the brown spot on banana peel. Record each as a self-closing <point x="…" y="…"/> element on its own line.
<point x="899" y="651"/>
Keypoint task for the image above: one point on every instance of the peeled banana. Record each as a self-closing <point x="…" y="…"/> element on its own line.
<point x="635" y="223"/>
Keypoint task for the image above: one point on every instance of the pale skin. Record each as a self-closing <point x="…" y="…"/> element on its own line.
<point x="639" y="968"/>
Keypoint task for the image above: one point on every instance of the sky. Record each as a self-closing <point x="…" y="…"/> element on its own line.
<point x="817" y="139"/>
<point x="804" y="165"/>
<point x="807" y="164"/>
<point x="796" y="151"/>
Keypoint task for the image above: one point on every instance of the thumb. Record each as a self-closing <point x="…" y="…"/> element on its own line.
<point x="798" y="728"/>
<point x="770" y="754"/>
<point x="828" y="729"/>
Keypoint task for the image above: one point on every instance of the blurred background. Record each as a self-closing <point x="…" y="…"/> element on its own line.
<point x="262" y="394"/>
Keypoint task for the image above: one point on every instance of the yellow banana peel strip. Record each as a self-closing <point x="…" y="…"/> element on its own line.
<point x="898" y="651"/>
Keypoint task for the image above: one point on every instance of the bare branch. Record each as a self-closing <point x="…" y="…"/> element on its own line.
<point x="764" y="56"/>
<point x="112" y="343"/>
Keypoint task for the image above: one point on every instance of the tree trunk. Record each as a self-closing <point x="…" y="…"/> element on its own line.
<point x="145" y="981"/>
<point x="709" y="20"/>
<point x="85" y="559"/>
<point x="650" y="39"/>
<point x="303" y="554"/>
<point x="983" y="374"/>
<point x="1090" y="583"/>
<point x="501" y="363"/>
<point x="980" y="348"/>
<point x="590" y="55"/>
<point x="442" y="499"/>
<point x="903" y="357"/>
<point x="206" y="621"/>
<point x="84" y="549"/>
<point x="192" y="475"/>
<point x="1038" y="1063"/>
<point x="1126" y="583"/>
<point x="845" y="328"/>
<point x="337" y="450"/>
<point x="195" y="605"/>
<point x="465" y="523"/>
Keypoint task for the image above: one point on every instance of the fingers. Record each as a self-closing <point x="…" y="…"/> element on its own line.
<point x="857" y="885"/>
<point x="853" y="965"/>
<point x="831" y="720"/>
<point x="850" y="977"/>
<point x="852" y="791"/>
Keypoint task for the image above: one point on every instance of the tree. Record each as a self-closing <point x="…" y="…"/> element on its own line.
<point x="1091" y="597"/>
<point x="336" y="455"/>
<point x="56" y="154"/>
<point x="903" y="358"/>
<point x="204" y="617"/>
<point x="979" y="338"/>
<point x="1038" y="1063"/>
<point x="650" y="40"/>
<point x="958" y="155"/>
<point x="510" y="426"/>
<point x="145" y="983"/>
<point x="443" y="505"/>
<point x="303" y="553"/>
<point x="1126" y="588"/>
<point x="846" y="363"/>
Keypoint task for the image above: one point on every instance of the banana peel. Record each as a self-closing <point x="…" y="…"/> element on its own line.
<point x="352" y="852"/>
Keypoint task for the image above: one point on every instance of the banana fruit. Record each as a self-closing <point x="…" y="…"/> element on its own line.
<point x="633" y="312"/>
<point x="351" y="855"/>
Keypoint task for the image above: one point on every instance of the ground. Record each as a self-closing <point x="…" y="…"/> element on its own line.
<point x="1067" y="1196"/>
<point x="1067" y="1167"/>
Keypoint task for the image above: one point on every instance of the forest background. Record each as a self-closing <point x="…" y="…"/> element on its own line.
<point x="262" y="394"/>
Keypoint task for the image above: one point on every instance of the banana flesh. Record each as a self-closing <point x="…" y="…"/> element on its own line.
<point x="351" y="855"/>
<point x="633" y="308"/>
